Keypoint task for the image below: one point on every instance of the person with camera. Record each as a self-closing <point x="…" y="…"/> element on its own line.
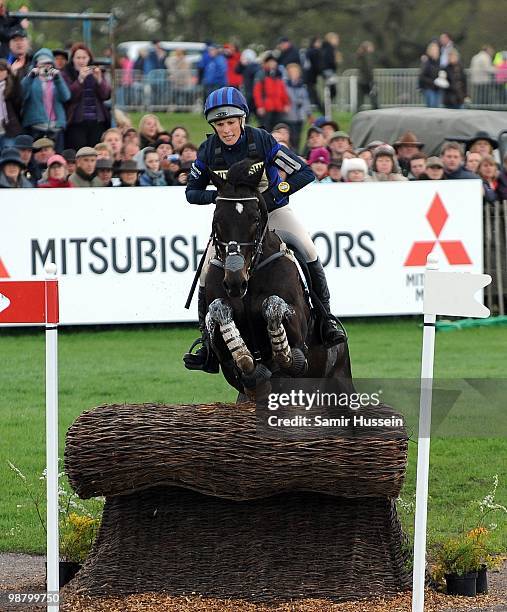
<point x="167" y="158"/>
<point x="44" y="94"/>
<point x="88" y="117"/>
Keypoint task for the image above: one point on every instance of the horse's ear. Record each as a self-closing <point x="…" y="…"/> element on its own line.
<point x="217" y="180"/>
<point x="255" y="173"/>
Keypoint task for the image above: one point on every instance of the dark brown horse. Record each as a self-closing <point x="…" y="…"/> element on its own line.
<point x="259" y="318"/>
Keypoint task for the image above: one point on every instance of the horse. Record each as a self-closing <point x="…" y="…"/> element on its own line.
<point x="259" y="321"/>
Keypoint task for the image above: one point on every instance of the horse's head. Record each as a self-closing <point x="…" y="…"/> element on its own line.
<point x="239" y="223"/>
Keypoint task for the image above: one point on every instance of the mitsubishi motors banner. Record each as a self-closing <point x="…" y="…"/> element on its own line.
<point x="129" y="254"/>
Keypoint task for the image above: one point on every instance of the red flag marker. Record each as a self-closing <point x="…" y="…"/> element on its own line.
<point x="36" y="302"/>
<point x="29" y="302"/>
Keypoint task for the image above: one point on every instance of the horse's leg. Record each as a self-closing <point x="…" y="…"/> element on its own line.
<point x="274" y="311"/>
<point x="219" y="312"/>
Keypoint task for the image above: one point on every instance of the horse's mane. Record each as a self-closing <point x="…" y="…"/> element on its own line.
<point x="245" y="173"/>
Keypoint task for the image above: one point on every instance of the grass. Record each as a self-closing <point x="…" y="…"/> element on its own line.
<point x="198" y="128"/>
<point x="143" y="364"/>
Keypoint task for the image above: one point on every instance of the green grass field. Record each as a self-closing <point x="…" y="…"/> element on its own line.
<point x="143" y="364"/>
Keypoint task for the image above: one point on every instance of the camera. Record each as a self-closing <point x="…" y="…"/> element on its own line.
<point x="47" y="72"/>
<point x="174" y="157"/>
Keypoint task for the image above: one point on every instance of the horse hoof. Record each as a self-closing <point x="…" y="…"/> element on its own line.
<point x="299" y="363"/>
<point x="246" y="364"/>
<point x="260" y="375"/>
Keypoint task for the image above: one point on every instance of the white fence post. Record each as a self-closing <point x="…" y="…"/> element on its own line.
<point x="53" y="579"/>
<point x="353" y="94"/>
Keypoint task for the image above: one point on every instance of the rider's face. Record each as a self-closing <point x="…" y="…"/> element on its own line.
<point x="228" y="130"/>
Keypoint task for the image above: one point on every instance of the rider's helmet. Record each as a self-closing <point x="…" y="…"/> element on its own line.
<point x="224" y="103"/>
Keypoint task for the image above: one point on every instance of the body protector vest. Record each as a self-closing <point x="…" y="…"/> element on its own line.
<point x="220" y="166"/>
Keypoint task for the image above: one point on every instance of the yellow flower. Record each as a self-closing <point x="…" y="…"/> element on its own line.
<point x="477" y="533"/>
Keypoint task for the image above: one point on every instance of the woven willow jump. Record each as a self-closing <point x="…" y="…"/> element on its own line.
<point x="197" y="502"/>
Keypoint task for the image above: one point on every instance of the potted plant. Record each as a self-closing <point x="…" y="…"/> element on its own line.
<point x="458" y="559"/>
<point x="77" y="534"/>
<point x="465" y="558"/>
<point x="77" y="524"/>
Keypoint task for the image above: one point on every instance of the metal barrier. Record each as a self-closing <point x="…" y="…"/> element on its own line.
<point x="400" y="87"/>
<point x="344" y="88"/>
<point x="179" y="90"/>
<point x="159" y="90"/>
<point x="495" y="255"/>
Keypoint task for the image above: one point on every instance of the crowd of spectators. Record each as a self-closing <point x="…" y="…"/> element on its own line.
<point x="128" y="157"/>
<point x="275" y="83"/>
<point x="443" y="81"/>
<point x="334" y="159"/>
<point x="55" y="124"/>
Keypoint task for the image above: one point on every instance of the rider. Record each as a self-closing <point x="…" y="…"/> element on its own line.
<point x="226" y="110"/>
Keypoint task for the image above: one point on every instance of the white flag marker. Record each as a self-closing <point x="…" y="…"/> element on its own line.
<point x="452" y="293"/>
<point x="447" y="293"/>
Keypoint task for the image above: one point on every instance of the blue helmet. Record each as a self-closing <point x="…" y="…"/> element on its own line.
<point x="224" y="103"/>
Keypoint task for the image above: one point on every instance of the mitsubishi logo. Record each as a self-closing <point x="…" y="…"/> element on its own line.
<point x="454" y="250"/>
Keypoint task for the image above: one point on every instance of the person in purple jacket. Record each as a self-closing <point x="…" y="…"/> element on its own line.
<point x="87" y="115"/>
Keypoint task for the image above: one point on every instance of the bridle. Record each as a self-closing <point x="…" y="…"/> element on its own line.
<point x="233" y="259"/>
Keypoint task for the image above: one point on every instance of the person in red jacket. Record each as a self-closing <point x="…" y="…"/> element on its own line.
<point x="232" y="55"/>
<point x="57" y="173"/>
<point x="270" y="94"/>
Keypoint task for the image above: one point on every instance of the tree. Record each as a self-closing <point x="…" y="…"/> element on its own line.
<point x="399" y="30"/>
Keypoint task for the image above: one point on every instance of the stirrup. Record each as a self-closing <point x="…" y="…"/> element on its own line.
<point x="339" y="337"/>
<point x="195" y="343"/>
<point x="207" y="362"/>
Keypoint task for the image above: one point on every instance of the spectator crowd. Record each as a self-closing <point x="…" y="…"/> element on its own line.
<point x="443" y="81"/>
<point x="55" y="124"/>
<point x="334" y="159"/>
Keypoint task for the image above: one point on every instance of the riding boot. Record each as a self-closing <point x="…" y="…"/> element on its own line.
<point x="204" y="358"/>
<point x="332" y="333"/>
